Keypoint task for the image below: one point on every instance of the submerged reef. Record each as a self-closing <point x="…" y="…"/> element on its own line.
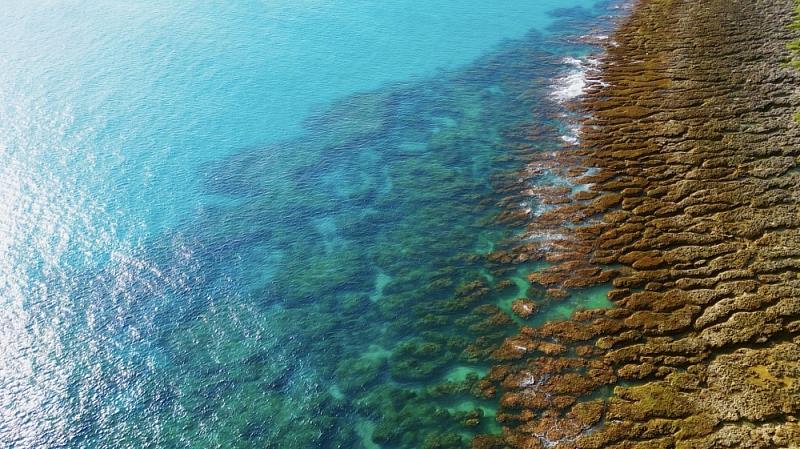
<point x="371" y="303"/>
<point x="690" y="157"/>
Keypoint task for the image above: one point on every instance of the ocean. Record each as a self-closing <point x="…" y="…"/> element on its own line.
<point x="263" y="224"/>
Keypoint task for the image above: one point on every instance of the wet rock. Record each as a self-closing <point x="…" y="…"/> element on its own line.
<point x="523" y="307"/>
<point x="693" y="217"/>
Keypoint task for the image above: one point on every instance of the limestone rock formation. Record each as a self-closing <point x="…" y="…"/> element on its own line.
<point x="693" y="215"/>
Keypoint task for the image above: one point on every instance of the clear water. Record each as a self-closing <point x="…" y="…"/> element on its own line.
<point x="257" y="223"/>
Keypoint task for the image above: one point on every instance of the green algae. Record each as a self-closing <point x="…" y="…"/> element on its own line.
<point x="520" y="288"/>
<point x="383" y="316"/>
<point x="381" y="281"/>
<point x="794" y="46"/>
<point x="461" y="373"/>
<point x="581" y="299"/>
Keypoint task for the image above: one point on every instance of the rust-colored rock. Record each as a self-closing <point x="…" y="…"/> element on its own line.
<point x="691" y="156"/>
<point x="524" y="308"/>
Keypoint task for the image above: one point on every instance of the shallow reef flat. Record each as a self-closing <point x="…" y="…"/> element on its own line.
<point x="691" y="156"/>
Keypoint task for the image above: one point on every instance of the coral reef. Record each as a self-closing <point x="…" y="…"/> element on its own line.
<point x="691" y="212"/>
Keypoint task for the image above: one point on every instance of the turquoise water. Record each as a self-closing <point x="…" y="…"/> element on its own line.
<point x="260" y="223"/>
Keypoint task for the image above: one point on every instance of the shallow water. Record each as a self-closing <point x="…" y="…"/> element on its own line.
<point x="259" y="224"/>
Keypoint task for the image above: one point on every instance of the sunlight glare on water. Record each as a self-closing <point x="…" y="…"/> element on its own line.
<point x="255" y="223"/>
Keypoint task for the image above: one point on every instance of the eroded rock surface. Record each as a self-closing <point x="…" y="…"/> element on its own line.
<point x="692" y="214"/>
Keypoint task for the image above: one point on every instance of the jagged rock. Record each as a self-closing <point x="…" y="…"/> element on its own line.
<point x="694" y="203"/>
<point x="523" y="307"/>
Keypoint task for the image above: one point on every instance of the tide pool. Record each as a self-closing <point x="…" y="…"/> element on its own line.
<point x="262" y="223"/>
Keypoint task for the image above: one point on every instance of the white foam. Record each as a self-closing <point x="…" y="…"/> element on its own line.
<point x="544" y="236"/>
<point x="577" y="80"/>
<point x="570" y="86"/>
<point x="573" y="137"/>
<point x="570" y="139"/>
<point x="529" y="381"/>
<point x="542" y="209"/>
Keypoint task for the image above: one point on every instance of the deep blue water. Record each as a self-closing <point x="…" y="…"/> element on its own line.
<point x="260" y="223"/>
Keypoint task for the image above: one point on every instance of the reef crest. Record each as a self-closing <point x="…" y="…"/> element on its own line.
<point x="691" y="159"/>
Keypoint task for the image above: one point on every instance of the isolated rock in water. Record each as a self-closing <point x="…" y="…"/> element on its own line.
<point x="523" y="307"/>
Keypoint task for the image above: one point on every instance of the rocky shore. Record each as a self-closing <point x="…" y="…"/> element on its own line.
<point x="692" y="215"/>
